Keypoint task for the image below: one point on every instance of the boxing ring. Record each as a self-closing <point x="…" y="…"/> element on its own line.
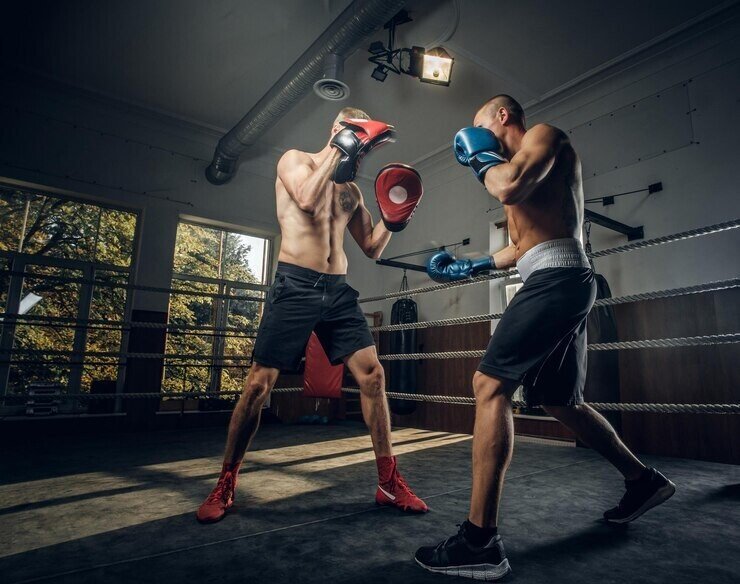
<point x="686" y="341"/>
<point x="119" y="508"/>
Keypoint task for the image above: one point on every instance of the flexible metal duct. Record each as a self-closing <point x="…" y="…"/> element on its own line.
<point x="341" y="38"/>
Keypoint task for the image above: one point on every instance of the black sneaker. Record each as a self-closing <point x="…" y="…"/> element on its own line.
<point x="456" y="557"/>
<point x="651" y="489"/>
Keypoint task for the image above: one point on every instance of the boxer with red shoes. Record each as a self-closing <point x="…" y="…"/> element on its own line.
<point x="316" y="202"/>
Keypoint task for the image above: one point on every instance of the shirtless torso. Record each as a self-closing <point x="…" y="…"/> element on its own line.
<point x="539" y="342"/>
<point x="541" y="189"/>
<point x="554" y="210"/>
<point x="313" y="213"/>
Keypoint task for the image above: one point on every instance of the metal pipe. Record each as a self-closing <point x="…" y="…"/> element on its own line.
<point x="341" y="38"/>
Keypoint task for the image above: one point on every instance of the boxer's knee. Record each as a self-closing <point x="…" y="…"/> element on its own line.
<point x="487" y="389"/>
<point x="257" y="386"/>
<point x="372" y="381"/>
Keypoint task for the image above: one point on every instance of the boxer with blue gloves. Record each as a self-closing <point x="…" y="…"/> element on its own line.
<point x="540" y="340"/>
<point x="479" y="149"/>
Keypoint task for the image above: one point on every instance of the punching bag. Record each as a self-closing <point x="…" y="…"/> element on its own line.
<point x="602" y="379"/>
<point x="402" y="374"/>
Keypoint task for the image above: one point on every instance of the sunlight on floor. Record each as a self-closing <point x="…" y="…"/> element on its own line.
<point x="70" y="507"/>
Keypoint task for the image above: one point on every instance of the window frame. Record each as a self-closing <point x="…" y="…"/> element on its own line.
<point x="269" y="259"/>
<point x="226" y="285"/>
<point x="88" y="268"/>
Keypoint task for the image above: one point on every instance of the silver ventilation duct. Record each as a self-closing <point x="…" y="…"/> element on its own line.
<point x="341" y="38"/>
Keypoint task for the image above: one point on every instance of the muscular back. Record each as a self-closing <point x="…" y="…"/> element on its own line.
<point x="315" y="240"/>
<point x="554" y="209"/>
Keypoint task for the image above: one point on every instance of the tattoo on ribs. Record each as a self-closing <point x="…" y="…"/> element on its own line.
<point x="346" y="201"/>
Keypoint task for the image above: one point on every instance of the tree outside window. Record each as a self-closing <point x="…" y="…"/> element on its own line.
<point x="59" y="244"/>
<point x="215" y="261"/>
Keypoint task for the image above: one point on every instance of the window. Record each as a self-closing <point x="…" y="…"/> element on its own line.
<point x="44" y="225"/>
<point x="223" y="274"/>
<point x="58" y="257"/>
<point x="510" y="290"/>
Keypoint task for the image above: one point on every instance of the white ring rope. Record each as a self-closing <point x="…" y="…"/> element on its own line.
<point x="722" y="339"/>
<point x="418" y="397"/>
<point x="113" y="354"/>
<point x="682" y="235"/>
<point x="673" y="292"/>
<point x="93" y="323"/>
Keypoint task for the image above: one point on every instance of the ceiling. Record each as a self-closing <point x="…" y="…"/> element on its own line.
<point x="210" y="62"/>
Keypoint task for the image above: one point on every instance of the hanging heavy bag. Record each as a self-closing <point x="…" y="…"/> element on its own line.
<point x="402" y="374"/>
<point x="602" y="378"/>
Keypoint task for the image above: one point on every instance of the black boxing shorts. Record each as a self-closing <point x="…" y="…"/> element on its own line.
<point x="299" y="301"/>
<point x="540" y="341"/>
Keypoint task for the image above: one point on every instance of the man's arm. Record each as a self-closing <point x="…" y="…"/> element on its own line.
<point x="444" y="267"/>
<point x="371" y="239"/>
<point x="505" y="258"/>
<point x="512" y="182"/>
<point x="305" y="185"/>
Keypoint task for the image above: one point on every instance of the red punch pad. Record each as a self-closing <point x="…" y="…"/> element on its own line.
<point x="321" y="378"/>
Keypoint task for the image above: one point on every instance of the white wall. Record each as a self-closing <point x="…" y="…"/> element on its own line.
<point x="700" y="179"/>
<point x="70" y="142"/>
<point x="77" y="144"/>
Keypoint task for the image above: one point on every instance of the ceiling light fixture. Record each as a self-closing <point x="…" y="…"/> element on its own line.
<point x="432" y="66"/>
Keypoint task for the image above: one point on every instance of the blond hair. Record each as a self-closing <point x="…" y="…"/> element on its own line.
<point x="351" y="112"/>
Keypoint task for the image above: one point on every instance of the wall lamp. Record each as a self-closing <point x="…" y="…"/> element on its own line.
<point x="432" y="66"/>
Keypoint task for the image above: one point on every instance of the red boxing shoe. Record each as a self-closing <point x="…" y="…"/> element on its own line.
<point x="393" y="490"/>
<point x="222" y="496"/>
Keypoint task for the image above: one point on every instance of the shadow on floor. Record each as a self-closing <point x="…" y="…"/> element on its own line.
<point x="305" y="514"/>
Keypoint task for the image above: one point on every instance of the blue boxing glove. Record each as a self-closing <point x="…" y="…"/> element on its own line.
<point x="479" y="149"/>
<point x="443" y="267"/>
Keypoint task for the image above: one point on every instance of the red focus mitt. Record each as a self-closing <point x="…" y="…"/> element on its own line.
<point x="398" y="190"/>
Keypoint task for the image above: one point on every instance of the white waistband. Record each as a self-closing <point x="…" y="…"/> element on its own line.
<point x="556" y="253"/>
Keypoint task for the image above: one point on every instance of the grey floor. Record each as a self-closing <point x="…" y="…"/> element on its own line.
<point x="120" y="509"/>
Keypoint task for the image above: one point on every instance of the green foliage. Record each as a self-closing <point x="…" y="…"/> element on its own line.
<point x="63" y="228"/>
<point x="221" y="255"/>
<point x="73" y="230"/>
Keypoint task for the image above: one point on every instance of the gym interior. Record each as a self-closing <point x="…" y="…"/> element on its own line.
<point x="140" y="240"/>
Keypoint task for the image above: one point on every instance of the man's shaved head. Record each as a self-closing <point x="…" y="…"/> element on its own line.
<point x="512" y="106"/>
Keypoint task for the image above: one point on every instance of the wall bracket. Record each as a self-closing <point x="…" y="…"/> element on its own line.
<point x="632" y="233"/>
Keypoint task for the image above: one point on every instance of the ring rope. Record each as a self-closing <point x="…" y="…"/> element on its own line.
<point x="141" y="288"/>
<point x="440" y="399"/>
<point x="128" y="325"/>
<point x="722" y="339"/>
<point x="124" y="325"/>
<point x="688" y="234"/>
<point x="74" y="363"/>
<point x="670" y="293"/>
<point x="104" y="354"/>
<point x="145" y="394"/>
<point x="680" y="236"/>
<point x="625" y="407"/>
